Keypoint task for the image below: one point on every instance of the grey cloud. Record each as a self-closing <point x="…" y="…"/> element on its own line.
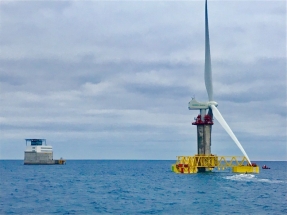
<point x="104" y="75"/>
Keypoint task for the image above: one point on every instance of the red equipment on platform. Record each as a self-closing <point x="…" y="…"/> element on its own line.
<point x="207" y="120"/>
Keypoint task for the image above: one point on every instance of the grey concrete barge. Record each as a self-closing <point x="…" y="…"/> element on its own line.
<point x="39" y="153"/>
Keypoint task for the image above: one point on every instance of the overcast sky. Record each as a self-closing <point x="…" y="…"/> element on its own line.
<point x="112" y="79"/>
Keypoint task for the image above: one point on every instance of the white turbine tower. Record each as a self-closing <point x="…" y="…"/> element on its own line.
<point x="203" y="121"/>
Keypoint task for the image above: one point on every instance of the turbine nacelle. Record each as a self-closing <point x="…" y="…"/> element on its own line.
<point x="195" y="105"/>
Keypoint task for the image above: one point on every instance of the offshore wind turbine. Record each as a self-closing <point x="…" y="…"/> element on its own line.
<point x="204" y="121"/>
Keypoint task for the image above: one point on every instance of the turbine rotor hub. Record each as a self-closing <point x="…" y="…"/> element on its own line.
<point x="212" y="103"/>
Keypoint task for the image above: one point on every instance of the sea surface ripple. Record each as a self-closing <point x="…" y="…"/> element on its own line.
<point x="138" y="187"/>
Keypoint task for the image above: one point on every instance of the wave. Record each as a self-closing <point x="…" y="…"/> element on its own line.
<point x="252" y="178"/>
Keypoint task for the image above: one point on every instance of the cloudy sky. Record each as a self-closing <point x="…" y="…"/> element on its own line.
<point x="112" y="79"/>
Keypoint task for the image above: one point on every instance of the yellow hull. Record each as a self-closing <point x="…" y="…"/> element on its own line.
<point x="192" y="164"/>
<point x="245" y="169"/>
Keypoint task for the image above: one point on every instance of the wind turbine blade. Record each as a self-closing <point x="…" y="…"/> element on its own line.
<point x="207" y="67"/>
<point x="221" y="120"/>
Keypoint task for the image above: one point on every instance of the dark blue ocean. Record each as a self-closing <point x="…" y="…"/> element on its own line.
<point x="138" y="187"/>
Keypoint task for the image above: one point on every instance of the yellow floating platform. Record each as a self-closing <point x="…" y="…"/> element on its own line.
<point x="245" y="169"/>
<point x="192" y="164"/>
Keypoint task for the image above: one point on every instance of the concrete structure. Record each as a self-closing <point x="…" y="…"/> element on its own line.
<point x="38" y="152"/>
<point x="204" y="127"/>
<point x="204" y="139"/>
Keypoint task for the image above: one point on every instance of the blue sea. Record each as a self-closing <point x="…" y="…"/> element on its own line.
<point x="138" y="187"/>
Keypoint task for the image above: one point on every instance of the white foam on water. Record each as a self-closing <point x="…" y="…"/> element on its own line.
<point x="241" y="177"/>
<point x="250" y="177"/>
<point x="271" y="181"/>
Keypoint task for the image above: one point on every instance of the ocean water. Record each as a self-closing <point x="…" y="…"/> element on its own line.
<point x="138" y="187"/>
